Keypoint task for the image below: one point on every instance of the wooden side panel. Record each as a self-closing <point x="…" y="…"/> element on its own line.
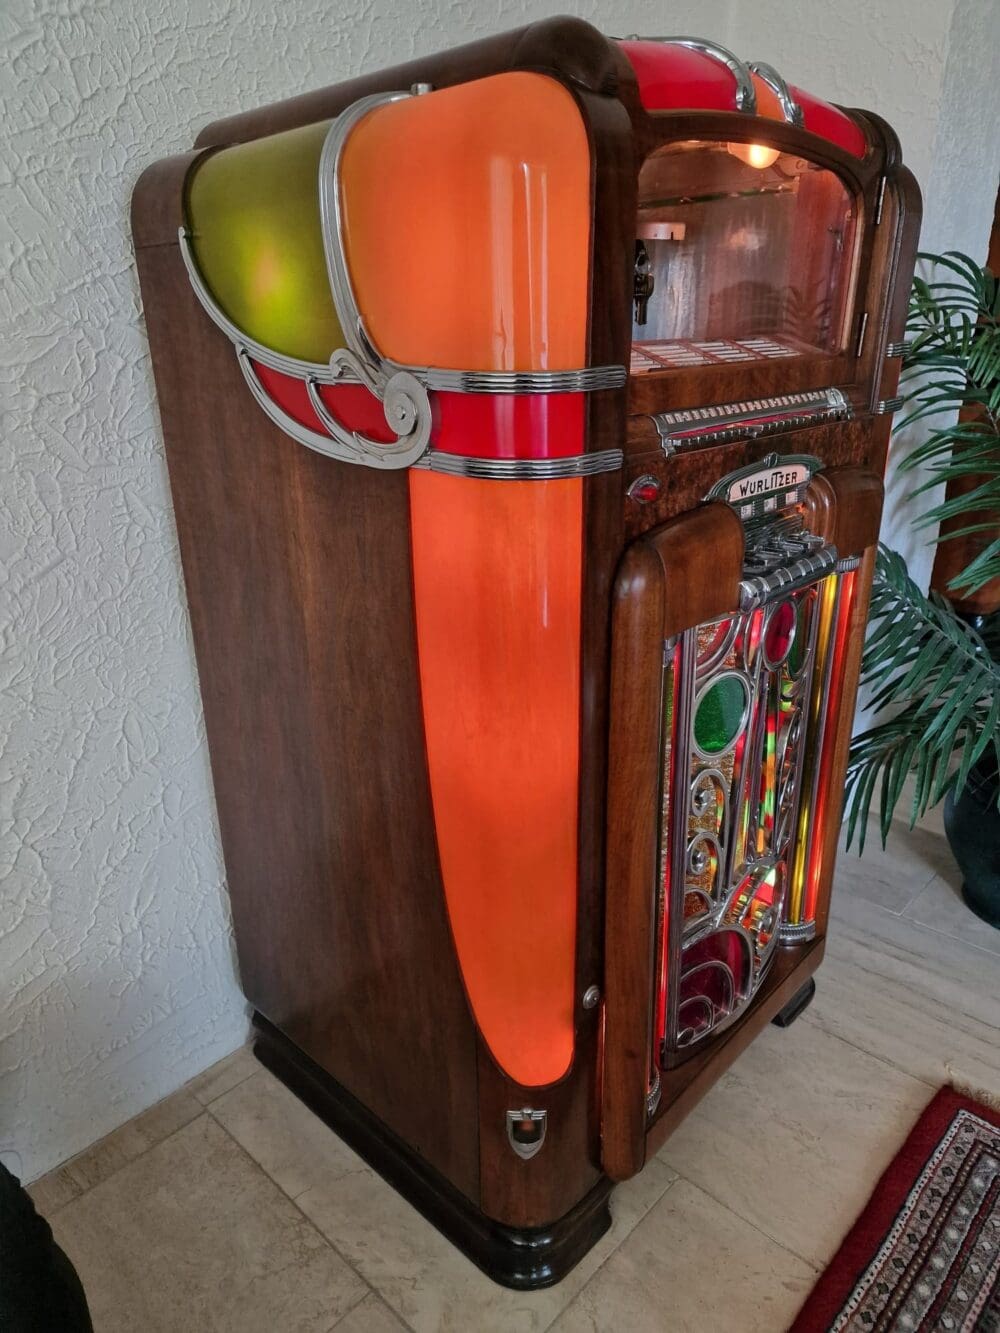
<point x="298" y="580"/>
<point x="684" y="573"/>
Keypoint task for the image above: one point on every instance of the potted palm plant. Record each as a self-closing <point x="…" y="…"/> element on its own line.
<point x="932" y="668"/>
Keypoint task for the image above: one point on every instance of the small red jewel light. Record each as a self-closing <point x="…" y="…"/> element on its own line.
<point x="644" y="489"/>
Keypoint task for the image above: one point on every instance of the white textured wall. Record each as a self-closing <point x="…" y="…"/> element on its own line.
<point x="117" y="979"/>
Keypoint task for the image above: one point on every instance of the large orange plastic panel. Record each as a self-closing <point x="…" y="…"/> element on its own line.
<point x="497" y="577"/>
<point x="466" y="219"/>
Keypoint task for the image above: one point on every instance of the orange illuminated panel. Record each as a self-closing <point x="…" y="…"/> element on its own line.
<point x="497" y="577"/>
<point x="466" y="224"/>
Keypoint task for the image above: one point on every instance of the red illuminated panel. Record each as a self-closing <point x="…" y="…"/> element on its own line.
<point x="497" y="578"/>
<point x="495" y="425"/>
<point x="674" y="78"/>
<point x="830" y="123"/>
<point x="476" y="425"/>
<point x="351" y="404"/>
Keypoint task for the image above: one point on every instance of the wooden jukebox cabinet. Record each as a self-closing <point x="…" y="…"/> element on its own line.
<point x="526" y="409"/>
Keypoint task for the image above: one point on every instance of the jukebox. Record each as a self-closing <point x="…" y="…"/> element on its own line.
<point x="525" y="410"/>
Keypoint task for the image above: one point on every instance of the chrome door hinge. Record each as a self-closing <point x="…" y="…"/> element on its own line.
<point x="880" y="200"/>
<point x="862" y="330"/>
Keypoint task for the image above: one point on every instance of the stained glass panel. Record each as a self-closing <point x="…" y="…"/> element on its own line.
<point x="741" y="691"/>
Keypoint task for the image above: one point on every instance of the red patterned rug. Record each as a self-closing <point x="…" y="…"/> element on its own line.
<point x="925" y="1253"/>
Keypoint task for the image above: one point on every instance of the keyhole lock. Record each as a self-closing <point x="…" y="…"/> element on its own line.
<point x="526" y="1130"/>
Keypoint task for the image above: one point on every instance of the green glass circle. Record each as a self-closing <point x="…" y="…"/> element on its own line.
<point x="719" y="717"/>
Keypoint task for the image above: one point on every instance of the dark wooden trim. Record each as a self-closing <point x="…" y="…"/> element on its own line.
<point x="568" y="49"/>
<point x="683" y="574"/>
<point x="525" y="1258"/>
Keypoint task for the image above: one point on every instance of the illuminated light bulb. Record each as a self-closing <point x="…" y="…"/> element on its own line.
<point x="755" y="154"/>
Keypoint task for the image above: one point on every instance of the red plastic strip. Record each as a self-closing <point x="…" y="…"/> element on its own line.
<point x="675" y="78"/>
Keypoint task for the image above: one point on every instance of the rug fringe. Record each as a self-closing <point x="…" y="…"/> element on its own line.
<point x="966" y="1089"/>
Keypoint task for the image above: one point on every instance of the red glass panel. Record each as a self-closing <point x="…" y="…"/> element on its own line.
<point x="351" y="404"/>
<point x="494" y="425"/>
<point x="673" y="78"/>
<point x="830" y="123"/>
<point x="779" y="634"/>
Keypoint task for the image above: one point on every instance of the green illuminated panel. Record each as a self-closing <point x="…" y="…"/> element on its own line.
<point x="719" y="716"/>
<point x="253" y="212"/>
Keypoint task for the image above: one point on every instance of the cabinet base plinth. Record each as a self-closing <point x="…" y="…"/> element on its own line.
<point x="800" y="1000"/>
<point x="525" y="1258"/>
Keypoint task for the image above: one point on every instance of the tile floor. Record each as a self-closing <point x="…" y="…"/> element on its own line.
<point x="230" y="1207"/>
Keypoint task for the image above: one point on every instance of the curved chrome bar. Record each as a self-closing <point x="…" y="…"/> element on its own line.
<point x="522" y="469"/>
<point x="344" y="446"/>
<point x="790" y="109"/>
<point x="407" y="413"/>
<point x="266" y="356"/>
<point x="331" y="225"/>
<point x="746" y="97"/>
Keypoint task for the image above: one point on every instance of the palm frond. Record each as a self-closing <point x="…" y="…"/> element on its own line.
<point x="953" y="371"/>
<point x="935" y="676"/>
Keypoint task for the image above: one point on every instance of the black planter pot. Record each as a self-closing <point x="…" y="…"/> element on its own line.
<point x="972" y="825"/>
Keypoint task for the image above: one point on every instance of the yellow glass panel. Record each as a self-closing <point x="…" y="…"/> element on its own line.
<point x="253" y="211"/>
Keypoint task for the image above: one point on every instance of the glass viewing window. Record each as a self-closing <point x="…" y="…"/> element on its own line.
<point x="742" y="254"/>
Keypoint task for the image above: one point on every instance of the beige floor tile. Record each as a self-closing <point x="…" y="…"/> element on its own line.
<point x="294" y="1147"/>
<point x="691" y="1264"/>
<point x="893" y="877"/>
<point x="795" y="1136"/>
<point x="427" y="1281"/>
<point x="371" y="1316"/>
<point x="922" y="1001"/>
<point x="223" y="1075"/>
<point x="194" y="1237"/>
<point x="420" y="1274"/>
<point x="113" y="1152"/>
<point x="940" y="907"/>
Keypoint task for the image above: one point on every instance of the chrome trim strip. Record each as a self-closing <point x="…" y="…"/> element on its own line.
<point x="521" y="469"/>
<point x="798" y="934"/>
<point x="847" y="563"/>
<point x="588" y="380"/>
<point x="746" y="97"/>
<point x="287" y="365"/>
<point x="331" y="222"/>
<point x="886" y="406"/>
<point x="790" y="109"/>
<point x="352" y="449"/>
<point x="725" y="421"/>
